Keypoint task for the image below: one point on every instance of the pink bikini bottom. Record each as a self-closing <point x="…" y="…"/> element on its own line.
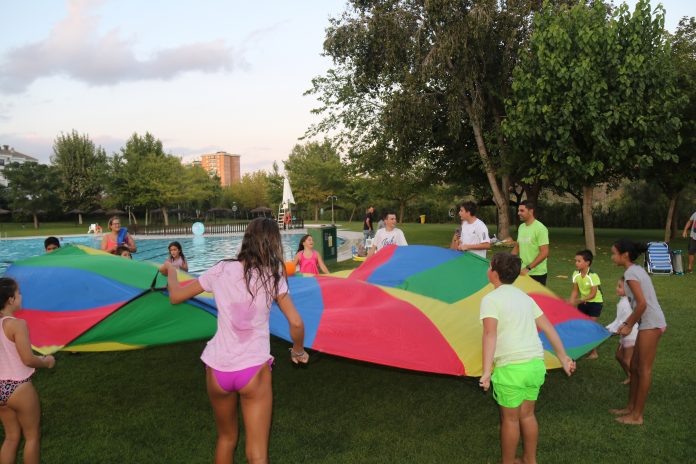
<point x="236" y="380"/>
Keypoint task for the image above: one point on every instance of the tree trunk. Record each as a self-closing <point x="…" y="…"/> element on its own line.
<point x="36" y="221"/>
<point x="147" y="217"/>
<point x="587" y="218"/>
<point x="669" y="223"/>
<point x="533" y="190"/>
<point x="402" y="207"/>
<point x="352" y="214"/>
<point x="316" y="212"/>
<point x="79" y="218"/>
<point x="498" y="196"/>
<point x="165" y="215"/>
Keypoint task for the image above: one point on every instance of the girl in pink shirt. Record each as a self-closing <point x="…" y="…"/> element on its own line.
<point x="19" y="403"/>
<point x="238" y="358"/>
<point x="307" y="257"/>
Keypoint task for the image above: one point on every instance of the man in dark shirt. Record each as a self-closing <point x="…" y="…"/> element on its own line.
<point x="368" y="224"/>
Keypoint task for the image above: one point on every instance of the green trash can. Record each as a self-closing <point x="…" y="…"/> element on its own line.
<point x="325" y="242"/>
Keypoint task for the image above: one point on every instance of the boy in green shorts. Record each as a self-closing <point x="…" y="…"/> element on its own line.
<point x="586" y="294"/>
<point x="510" y="320"/>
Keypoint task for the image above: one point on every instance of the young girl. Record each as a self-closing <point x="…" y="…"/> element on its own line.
<point x="651" y="324"/>
<point x="624" y="352"/>
<point x="123" y="252"/>
<point x="176" y="256"/>
<point x="307" y="257"/>
<point x="19" y="403"/>
<point x="117" y="237"/>
<point x="238" y="359"/>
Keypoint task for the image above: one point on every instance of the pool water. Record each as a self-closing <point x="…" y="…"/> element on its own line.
<point x="201" y="252"/>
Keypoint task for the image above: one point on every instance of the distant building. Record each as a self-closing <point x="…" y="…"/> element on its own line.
<point x="224" y="165"/>
<point x="9" y="155"/>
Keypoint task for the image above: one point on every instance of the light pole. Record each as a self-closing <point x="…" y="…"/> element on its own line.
<point x="332" y="198"/>
<point x="234" y="210"/>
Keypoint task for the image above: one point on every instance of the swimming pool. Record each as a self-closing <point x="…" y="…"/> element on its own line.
<point x="201" y="252"/>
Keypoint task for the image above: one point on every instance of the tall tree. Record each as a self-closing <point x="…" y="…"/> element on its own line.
<point x="81" y="168"/>
<point x="594" y="99"/>
<point x="31" y="188"/>
<point x="315" y="171"/>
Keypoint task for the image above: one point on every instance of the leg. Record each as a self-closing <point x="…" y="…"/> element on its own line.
<point x="13" y="433"/>
<point x="509" y="433"/>
<point x="225" y="410"/>
<point x="257" y="405"/>
<point x="691" y="263"/>
<point x="646" y="346"/>
<point x="530" y="431"/>
<point x="593" y="354"/>
<point x="25" y="403"/>
<point x="627" y="356"/>
<point x="632" y="385"/>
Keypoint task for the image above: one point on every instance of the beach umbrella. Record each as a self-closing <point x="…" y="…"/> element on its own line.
<point x="75" y="211"/>
<point x="98" y="211"/>
<point x="114" y="212"/>
<point x="81" y="299"/>
<point x="4" y="211"/>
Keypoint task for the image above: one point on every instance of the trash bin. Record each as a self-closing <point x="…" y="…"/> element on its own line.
<point x="422" y="218"/>
<point x="325" y="242"/>
<point x="677" y="262"/>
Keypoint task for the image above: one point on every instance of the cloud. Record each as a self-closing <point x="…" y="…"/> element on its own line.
<point x="75" y="48"/>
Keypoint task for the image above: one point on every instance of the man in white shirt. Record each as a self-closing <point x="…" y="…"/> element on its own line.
<point x="390" y="235"/>
<point x="473" y="236"/>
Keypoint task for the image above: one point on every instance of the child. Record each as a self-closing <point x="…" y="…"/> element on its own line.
<point x="586" y="283"/>
<point x="176" y="256"/>
<point x="123" y="252"/>
<point x="51" y="244"/>
<point x="510" y="341"/>
<point x="624" y="352"/>
<point x="238" y="359"/>
<point x="307" y="257"/>
<point x="20" y="410"/>
<point x="651" y="324"/>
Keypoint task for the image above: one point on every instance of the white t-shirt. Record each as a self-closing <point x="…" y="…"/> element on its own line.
<point x="693" y="226"/>
<point x="384" y="238"/>
<point x="475" y="234"/>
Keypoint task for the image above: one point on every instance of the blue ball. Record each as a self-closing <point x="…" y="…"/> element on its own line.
<point x="198" y="228"/>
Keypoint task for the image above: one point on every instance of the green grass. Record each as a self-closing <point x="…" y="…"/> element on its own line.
<point x="151" y="405"/>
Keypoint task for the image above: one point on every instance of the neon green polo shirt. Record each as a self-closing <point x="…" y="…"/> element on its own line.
<point x="529" y="239"/>
<point x="585" y="285"/>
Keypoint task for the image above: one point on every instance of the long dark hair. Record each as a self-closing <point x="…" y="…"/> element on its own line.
<point x="302" y="240"/>
<point x="262" y="256"/>
<point x="8" y="288"/>
<point x="634" y="249"/>
<point x="178" y="247"/>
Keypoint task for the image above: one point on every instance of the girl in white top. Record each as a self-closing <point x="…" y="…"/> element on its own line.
<point x="19" y="403"/>
<point x="624" y="352"/>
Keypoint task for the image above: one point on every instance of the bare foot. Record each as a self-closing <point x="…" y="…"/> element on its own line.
<point x="630" y="420"/>
<point x="620" y="412"/>
<point x="593" y="355"/>
<point x="626" y="381"/>
<point x="519" y="460"/>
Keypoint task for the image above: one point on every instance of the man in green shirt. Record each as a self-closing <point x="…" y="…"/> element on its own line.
<point x="532" y="243"/>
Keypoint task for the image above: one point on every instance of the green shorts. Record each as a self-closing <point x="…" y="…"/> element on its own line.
<point x="515" y="383"/>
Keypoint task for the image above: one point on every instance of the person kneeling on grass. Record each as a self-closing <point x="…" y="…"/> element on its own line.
<point x="510" y="320"/>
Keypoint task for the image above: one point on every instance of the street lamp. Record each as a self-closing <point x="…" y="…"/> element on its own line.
<point x="234" y="210"/>
<point x="332" y="198"/>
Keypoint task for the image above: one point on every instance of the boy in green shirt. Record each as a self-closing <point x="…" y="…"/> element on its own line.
<point x="510" y="321"/>
<point x="532" y="243"/>
<point x="586" y="294"/>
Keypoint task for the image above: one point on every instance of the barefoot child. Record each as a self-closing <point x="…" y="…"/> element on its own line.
<point x="624" y="352"/>
<point x="651" y="324"/>
<point x="307" y="257"/>
<point x="510" y="342"/>
<point x="586" y="294"/>
<point x="238" y="358"/>
<point x="20" y="410"/>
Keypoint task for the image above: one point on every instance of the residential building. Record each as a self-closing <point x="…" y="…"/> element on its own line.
<point x="9" y="155"/>
<point x="224" y="165"/>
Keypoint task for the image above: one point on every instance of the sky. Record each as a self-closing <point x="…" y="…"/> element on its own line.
<point x="202" y="76"/>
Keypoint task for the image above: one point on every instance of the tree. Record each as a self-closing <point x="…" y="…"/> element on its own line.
<point x="81" y="170"/>
<point x="426" y="79"/>
<point x="31" y="187"/>
<point x="315" y="171"/>
<point x="594" y="99"/>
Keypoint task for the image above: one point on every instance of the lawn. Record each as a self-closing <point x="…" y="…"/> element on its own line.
<point x="151" y="406"/>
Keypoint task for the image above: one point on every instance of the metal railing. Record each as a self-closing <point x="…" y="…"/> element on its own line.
<point x="185" y="229"/>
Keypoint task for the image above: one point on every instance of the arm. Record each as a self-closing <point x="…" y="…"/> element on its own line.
<point x="184" y="264"/>
<point x="639" y="309"/>
<point x="543" y="323"/>
<point x="686" y="228"/>
<point x="131" y="244"/>
<point x="454" y="244"/>
<point x="177" y="293"/>
<point x="516" y="249"/>
<point x="372" y="250"/>
<point x="19" y="334"/>
<point x="296" y="261"/>
<point x="592" y="294"/>
<point x="103" y="245"/>
<point x="297" y="353"/>
<point x="543" y="254"/>
<point x="480" y="246"/>
<point x="490" y="333"/>
<point x="322" y="266"/>
<point x="574" y="295"/>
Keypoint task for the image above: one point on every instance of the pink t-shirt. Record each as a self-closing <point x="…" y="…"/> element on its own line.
<point x="309" y="265"/>
<point x="242" y="339"/>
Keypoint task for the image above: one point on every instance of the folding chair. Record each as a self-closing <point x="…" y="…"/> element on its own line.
<point x="658" y="259"/>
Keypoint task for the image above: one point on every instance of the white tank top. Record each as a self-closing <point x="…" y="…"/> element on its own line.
<point x="11" y="365"/>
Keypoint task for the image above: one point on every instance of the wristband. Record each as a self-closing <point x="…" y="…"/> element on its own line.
<point x="296" y="355"/>
<point x="528" y="268"/>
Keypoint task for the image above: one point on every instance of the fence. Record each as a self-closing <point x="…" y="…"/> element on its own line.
<point x="185" y="229"/>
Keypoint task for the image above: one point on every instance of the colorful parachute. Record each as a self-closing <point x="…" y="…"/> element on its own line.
<point x="412" y="307"/>
<point x="417" y="307"/>
<point x="81" y="299"/>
